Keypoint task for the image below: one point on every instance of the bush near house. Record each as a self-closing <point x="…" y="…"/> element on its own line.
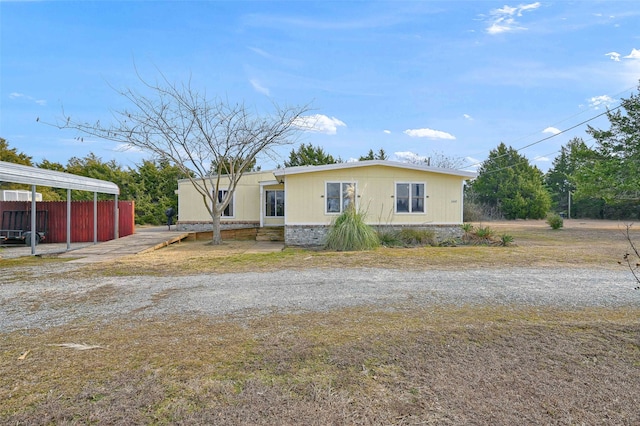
<point x="349" y="232"/>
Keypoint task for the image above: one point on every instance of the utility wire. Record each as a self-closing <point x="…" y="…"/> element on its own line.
<point x="552" y="136"/>
<point x="477" y="163"/>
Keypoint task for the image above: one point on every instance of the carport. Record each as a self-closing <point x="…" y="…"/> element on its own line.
<point x="17" y="173"/>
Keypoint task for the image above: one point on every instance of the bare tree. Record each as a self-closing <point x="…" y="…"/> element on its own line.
<point x="439" y="159"/>
<point x="212" y="141"/>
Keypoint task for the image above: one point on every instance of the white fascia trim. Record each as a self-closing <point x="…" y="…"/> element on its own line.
<point x="278" y="173"/>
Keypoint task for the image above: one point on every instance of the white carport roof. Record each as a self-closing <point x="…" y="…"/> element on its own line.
<point x="17" y="173"/>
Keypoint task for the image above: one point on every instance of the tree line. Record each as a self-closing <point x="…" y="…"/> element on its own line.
<point x="599" y="181"/>
<point x="152" y="183"/>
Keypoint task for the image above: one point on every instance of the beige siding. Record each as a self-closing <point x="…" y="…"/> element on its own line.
<point x="305" y="197"/>
<point x="305" y="192"/>
<point x="246" y="200"/>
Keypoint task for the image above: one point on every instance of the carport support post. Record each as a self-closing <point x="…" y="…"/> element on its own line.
<point x="34" y="231"/>
<point x="68" y="219"/>
<point x="116" y="221"/>
<point x="95" y="218"/>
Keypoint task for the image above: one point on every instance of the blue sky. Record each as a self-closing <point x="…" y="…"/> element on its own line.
<point x="415" y="78"/>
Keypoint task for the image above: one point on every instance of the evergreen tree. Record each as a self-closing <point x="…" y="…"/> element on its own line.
<point x="380" y="155"/>
<point x="11" y="155"/>
<point x="612" y="172"/>
<point x="507" y="181"/>
<point x="309" y="155"/>
<point x="560" y="179"/>
<point x="154" y="184"/>
<point x="92" y="166"/>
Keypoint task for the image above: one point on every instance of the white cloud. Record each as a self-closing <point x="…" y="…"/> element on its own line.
<point x="388" y="132"/>
<point x="428" y="133"/>
<point x="551" y="130"/>
<point x="635" y="54"/>
<point x="16" y="95"/>
<point x="542" y="159"/>
<point x="614" y="56"/>
<point x="503" y="20"/>
<point x="410" y="157"/>
<point x="597" y="101"/>
<point x="319" y="123"/>
<point x="259" y="87"/>
<point x="467" y="117"/>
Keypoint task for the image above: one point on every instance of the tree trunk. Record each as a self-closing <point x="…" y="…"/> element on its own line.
<point x="216" y="238"/>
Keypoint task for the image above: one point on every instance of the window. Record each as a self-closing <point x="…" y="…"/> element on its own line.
<point x="339" y="195"/>
<point x="410" y="197"/>
<point x="228" y="211"/>
<point x="274" y="206"/>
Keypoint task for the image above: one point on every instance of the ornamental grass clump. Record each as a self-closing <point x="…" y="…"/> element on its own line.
<point x="349" y="232"/>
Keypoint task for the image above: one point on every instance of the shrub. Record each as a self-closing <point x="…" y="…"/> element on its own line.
<point x="555" y="221"/>
<point x="475" y="212"/>
<point x="417" y="237"/>
<point x="484" y="232"/>
<point x="349" y="232"/>
<point x="505" y="240"/>
<point x="467" y="228"/>
<point x="407" y="237"/>
<point x="390" y="239"/>
<point x="484" y="235"/>
<point x="449" y="242"/>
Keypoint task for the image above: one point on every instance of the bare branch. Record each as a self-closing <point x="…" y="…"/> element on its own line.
<point x="204" y="138"/>
<point x="632" y="264"/>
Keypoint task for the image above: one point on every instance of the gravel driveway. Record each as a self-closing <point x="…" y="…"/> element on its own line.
<point x="47" y="303"/>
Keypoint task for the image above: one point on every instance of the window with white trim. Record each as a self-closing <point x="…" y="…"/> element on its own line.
<point x="338" y="196"/>
<point x="274" y="203"/>
<point x="228" y="211"/>
<point x="410" y="197"/>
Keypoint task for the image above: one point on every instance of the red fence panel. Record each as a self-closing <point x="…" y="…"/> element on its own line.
<point x="81" y="219"/>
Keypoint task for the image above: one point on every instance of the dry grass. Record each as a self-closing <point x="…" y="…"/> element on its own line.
<point x="406" y="365"/>
<point x="579" y="244"/>
<point x="447" y="365"/>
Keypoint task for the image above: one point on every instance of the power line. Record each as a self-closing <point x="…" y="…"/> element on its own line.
<point x="552" y="136"/>
<point x="477" y="163"/>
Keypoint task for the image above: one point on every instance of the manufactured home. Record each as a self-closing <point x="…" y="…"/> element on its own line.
<point x="304" y="200"/>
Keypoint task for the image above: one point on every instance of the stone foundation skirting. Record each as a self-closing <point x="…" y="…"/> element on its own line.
<point x="305" y="235"/>
<point x="314" y="235"/>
